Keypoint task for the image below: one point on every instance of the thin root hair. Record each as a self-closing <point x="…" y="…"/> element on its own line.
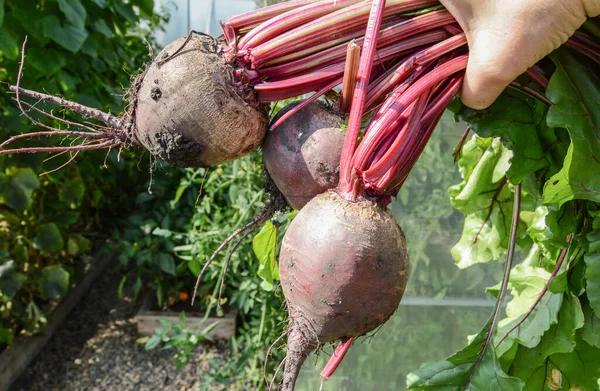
<point x="224" y="274"/>
<point x="281" y="364"/>
<point x="93" y="136"/>
<point x="267" y="383"/>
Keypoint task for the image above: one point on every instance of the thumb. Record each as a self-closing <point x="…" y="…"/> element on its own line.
<point x="492" y="66"/>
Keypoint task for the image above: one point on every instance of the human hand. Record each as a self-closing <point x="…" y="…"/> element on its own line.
<point x="506" y="37"/>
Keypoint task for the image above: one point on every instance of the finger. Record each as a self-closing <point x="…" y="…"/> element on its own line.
<point x="493" y="64"/>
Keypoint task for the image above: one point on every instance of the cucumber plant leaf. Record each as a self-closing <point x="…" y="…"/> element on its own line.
<point x="264" y="245"/>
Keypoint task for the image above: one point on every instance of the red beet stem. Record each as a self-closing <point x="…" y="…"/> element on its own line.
<point x="396" y="105"/>
<point x="303" y="83"/>
<point x="358" y="101"/>
<point x="305" y="103"/>
<point x="350" y="73"/>
<point x="390" y="184"/>
<point x="396" y="150"/>
<point x="407" y="67"/>
<point x="336" y="359"/>
<point x="335" y="39"/>
<point x="339" y="21"/>
<point x="289" y="20"/>
<point x="320" y="60"/>
<point x="259" y="15"/>
<point x="538" y="76"/>
<point x="389" y="35"/>
<point x="442" y="100"/>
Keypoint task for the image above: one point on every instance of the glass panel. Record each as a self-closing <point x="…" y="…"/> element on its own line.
<point x="414" y="335"/>
<point x="199" y="15"/>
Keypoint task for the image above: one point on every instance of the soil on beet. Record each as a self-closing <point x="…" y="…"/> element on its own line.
<point x="187" y="111"/>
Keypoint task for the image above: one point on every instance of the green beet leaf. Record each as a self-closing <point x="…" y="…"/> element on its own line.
<point x="465" y="371"/>
<point x="560" y="338"/>
<point x="592" y="275"/>
<point x="591" y="328"/>
<point x="515" y="120"/>
<point x="578" y="370"/>
<point x="574" y="91"/>
<point x="526" y="284"/>
<point x="592" y="262"/>
<point x="485" y="197"/>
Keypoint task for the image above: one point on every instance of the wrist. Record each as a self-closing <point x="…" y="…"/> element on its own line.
<point x="592" y="7"/>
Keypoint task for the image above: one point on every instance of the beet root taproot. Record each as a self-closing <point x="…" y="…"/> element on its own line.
<point x="302" y="155"/>
<point x="343" y="268"/>
<point x="187" y="110"/>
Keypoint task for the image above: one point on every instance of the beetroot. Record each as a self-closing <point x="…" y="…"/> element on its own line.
<point x="302" y="155"/>
<point x="187" y="111"/>
<point x="343" y="267"/>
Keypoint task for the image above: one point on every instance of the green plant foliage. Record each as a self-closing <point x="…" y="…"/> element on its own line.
<point x="173" y="232"/>
<point x="84" y="51"/>
<point x="264" y="245"/>
<point x="575" y="92"/>
<point x="548" y="337"/>
<point x="54" y="282"/>
<point x="465" y="370"/>
<point x="592" y="263"/>
<point x="179" y="337"/>
<point x="486" y="199"/>
<point x="17" y="187"/>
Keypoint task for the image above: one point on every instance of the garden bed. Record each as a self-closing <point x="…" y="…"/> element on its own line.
<point x="148" y="319"/>
<point x="15" y="358"/>
<point x="96" y="349"/>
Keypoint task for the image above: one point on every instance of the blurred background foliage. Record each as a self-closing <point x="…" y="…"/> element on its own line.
<point x="84" y="51"/>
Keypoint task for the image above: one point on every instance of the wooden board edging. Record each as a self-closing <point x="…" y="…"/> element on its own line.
<point x="148" y="320"/>
<point x="16" y="357"/>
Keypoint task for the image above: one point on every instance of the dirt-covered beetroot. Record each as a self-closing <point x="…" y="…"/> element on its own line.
<point x="302" y="155"/>
<point x="343" y="267"/>
<point x="187" y="110"/>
